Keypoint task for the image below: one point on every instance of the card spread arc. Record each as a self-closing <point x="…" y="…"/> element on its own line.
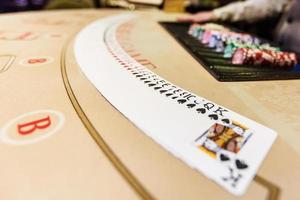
<point x="156" y="106"/>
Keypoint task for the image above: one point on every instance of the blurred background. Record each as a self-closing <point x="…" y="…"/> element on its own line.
<point x="176" y="5"/>
<point x="261" y="28"/>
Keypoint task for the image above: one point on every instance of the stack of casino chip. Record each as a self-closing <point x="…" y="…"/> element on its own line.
<point x="218" y="37"/>
<point x="258" y="57"/>
<point x="241" y="47"/>
<point x="232" y="46"/>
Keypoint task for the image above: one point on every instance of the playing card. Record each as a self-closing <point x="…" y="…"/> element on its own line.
<point x="225" y="146"/>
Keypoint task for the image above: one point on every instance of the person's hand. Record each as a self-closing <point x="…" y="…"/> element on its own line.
<point x="199" y="17"/>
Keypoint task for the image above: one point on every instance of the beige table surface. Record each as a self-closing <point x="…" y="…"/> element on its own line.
<point x="97" y="153"/>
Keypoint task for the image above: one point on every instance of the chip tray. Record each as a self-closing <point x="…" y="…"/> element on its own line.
<point x="221" y="68"/>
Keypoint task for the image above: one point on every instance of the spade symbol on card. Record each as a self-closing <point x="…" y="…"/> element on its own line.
<point x="227" y="121"/>
<point x="223" y="157"/>
<point x="181" y="101"/>
<point x="213" y="116"/>
<point x="240" y="164"/>
<point x="201" y="110"/>
<point x="191" y="105"/>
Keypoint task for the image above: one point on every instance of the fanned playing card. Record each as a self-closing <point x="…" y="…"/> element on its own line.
<point x="225" y="146"/>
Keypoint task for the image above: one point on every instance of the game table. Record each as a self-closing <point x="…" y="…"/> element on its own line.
<point x="61" y="139"/>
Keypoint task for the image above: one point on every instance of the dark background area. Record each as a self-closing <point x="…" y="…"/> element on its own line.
<point x="262" y="29"/>
<point x="21" y="5"/>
